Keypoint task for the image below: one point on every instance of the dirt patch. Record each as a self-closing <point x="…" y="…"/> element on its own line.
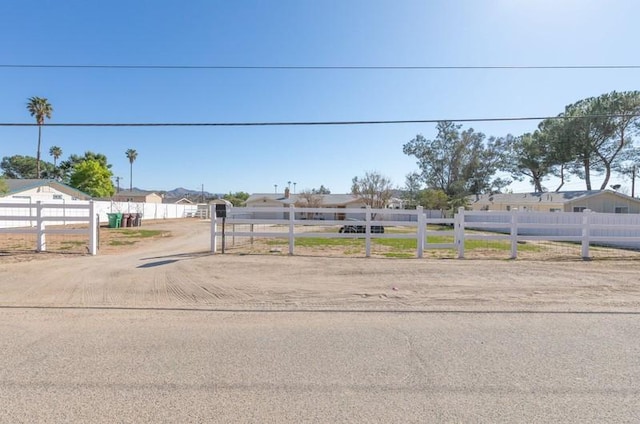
<point x="178" y="271"/>
<point x="21" y="247"/>
<point x="491" y="250"/>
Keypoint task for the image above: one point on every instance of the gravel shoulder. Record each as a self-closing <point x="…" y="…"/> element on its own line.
<point x="179" y="272"/>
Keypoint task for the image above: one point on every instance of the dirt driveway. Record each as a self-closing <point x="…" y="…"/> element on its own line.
<point x="179" y="272"/>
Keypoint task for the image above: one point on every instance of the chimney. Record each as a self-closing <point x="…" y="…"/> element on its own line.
<point x="286" y="193"/>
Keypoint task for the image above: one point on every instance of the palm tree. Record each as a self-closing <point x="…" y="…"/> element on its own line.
<point x="131" y="155"/>
<point x="40" y="108"/>
<point x="56" y="152"/>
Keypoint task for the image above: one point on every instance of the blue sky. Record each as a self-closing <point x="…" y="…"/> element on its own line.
<point x="297" y="33"/>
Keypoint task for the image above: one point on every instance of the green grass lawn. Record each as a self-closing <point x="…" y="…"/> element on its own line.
<point x="401" y="248"/>
<point x="127" y="237"/>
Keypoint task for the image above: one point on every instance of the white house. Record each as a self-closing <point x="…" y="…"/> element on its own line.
<point x="42" y="190"/>
<point x="141" y="196"/>
<point x="284" y="200"/>
<point x="321" y="200"/>
<point x="603" y="201"/>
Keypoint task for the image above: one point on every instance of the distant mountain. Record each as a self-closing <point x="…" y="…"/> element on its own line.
<point x="185" y="192"/>
<point x="181" y="192"/>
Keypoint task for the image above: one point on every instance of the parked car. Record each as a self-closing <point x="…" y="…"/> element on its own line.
<point x="358" y="228"/>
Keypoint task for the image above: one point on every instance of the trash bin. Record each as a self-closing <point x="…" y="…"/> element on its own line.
<point x="126" y="220"/>
<point x="137" y="219"/>
<point x="115" y="220"/>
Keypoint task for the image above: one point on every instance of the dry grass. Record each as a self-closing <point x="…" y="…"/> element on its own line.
<point x="110" y="240"/>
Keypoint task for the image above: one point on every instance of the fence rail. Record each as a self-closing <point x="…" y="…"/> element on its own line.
<point x="586" y="228"/>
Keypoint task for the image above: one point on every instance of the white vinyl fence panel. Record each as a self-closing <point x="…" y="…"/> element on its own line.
<point x="21" y="216"/>
<point x="102" y="208"/>
<point x="587" y="228"/>
<point x="38" y="218"/>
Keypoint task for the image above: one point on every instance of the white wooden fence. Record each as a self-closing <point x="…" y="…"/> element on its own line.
<point x="586" y="228"/>
<point x="34" y="218"/>
<point x="102" y="208"/>
<point x="330" y="217"/>
<point x="21" y="216"/>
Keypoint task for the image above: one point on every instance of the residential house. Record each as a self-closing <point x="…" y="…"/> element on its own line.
<point x="284" y="200"/>
<point x="177" y="200"/>
<point x="138" y="196"/>
<point x="42" y="190"/>
<point x="603" y="201"/>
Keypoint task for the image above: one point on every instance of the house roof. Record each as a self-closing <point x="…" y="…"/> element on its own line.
<point x="327" y="199"/>
<point x="135" y="193"/>
<point x="19" y="185"/>
<point x="174" y="200"/>
<point x="546" y="197"/>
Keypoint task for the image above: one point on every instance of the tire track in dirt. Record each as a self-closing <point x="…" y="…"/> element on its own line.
<point x="112" y="293"/>
<point x="160" y="293"/>
<point x="209" y="294"/>
<point x="204" y="280"/>
<point x="177" y="292"/>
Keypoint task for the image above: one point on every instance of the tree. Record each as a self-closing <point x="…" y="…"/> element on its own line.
<point x="412" y="190"/>
<point x="4" y="188"/>
<point x="374" y="189"/>
<point x="624" y="120"/>
<point x="67" y="166"/>
<point x="56" y="152"/>
<point x="23" y="167"/>
<point x="434" y="199"/>
<point x="321" y="190"/>
<point x="583" y="136"/>
<point x="460" y="162"/>
<point x="308" y="199"/>
<point x="39" y="108"/>
<point x="132" y="155"/>
<point x="487" y="159"/>
<point x="594" y="135"/>
<point x="237" y="199"/>
<point x="93" y="178"/>
<point x="558" y="155"/>
<point x="531" y="157"/>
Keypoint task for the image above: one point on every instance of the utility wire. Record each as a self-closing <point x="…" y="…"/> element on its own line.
<point x="310" y="123"/>
<point x="303" y="68"/>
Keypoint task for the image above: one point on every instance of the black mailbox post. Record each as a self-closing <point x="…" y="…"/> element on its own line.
<point x="221" y="210"/>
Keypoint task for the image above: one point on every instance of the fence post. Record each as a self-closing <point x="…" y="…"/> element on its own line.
<point x="422" y="231"/>
<point x="586" y="231"/>
<point x="292" y="238"/>
<point x="459" y="233"/>
<point x="93" y="229"/>
<point x="214" y="228"/>
<point x="514" y="234"/>
<point x="367" y="235"/>
<point x="42" y="241"/>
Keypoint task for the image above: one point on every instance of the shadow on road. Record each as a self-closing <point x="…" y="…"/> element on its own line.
<point x="157" y="263"/>
<point x="166" y="261"/>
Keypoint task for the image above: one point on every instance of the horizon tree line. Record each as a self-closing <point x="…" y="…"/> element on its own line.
<point x="594" y="136"/>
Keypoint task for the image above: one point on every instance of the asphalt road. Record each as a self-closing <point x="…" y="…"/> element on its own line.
<point x="148" y="366"/>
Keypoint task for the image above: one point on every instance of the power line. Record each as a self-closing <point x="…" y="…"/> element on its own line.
<point x="310" y="123"/>
<point x="319" y="68"/>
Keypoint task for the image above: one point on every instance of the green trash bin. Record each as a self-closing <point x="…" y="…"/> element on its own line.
<point x="115" y="220"/>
